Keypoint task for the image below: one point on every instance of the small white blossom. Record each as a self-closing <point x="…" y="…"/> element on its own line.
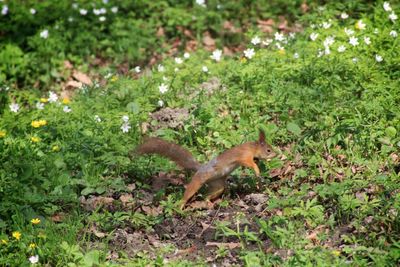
<point x="279" y="37"/>
<point x="313" y="36"/>
<point x="83" y="12"/>
<point x="255" y="40"/>
<point x="361" y="25"/>
<point x="341" y="49"/>
<point x="96" y="11"/>
<point x="393" y="17"/>
<point x="53" y="97"/>
<point x="249" y="53"/>
<point x="108" y="76"/>
<point x="178" y="60"/>
<point x="292" y="35"/>
<point x="326" y="25"/>
<point x="164" y="78"/>
<point x="67" y="109"/>
<point x="4" y="10"/>
<point x="387" y="7"/>
<point x="34" y="259"/>
<point x="320" y="53"/>
<point x="353" y="41"/>
<point x="376" y="31"/>
<point x="137" y="69"/>
<point x="296" y="55"/>
<point x="355" y="60"/>
<point x="349" y="32"/>
<point x="160" y="68"/>
<point x="329" y="41"/>
<point x="97" y="118"/>
<point x="33" y="11"/>
<point x="114" y="9"/>
<point x="105" y="1"/>
<point x="125" y="127"/>
<point x="393" y="33"/>
<point x="312" y="26"/>
<point x="378" y="58"/>
<point x="367" y="40"/>
<point x="14" y="107"/>
<point x="70" y="19"/>
<point x="40" y="105"/>
<point x="279" y="46"/>
<point x="74" y="5"/>
<point x="267" y="42"/>
<point x="103" y="10"/>
<point x="160" y="103"/>
<point x="186" y="55"/>
<point x="201" y="3"/>
<point x="102" y="18"/>
<point x="344" y="15"/>
<point x="163" y="88"/>
<point x="44" y="34"/>
<point x="216" y="55"/>
<point x="176" y="69"/>
<point x="125" y="118"/>
<point x="204" y="69"/>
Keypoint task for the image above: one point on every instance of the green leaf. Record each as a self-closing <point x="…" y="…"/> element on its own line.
<point x="293" y="128"/>
<point x="391" y="132"/>
<point x="133" y="107"/>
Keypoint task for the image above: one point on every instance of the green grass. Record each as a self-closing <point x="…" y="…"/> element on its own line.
<point x="334" y="117"/>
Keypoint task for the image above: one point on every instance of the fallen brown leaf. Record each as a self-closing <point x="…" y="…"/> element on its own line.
<point x="81" y="77"/>
<point x="218" y="244"/>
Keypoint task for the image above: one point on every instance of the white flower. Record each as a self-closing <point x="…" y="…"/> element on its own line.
<point x="249" y="53"/>
<point x="102" y="18"/>
<point x="216" y="55"/>
<point x="326" y="25"/>
<point x="361" y="25"/>
<point x="14" y="107"/>
<point x="279" y="37"/>
<point x="108" y="75"/>
<point x="70" y="19"/>
<point x="96" y="11"/>
<point x="387" y="7"/>
<point x="312" y="26"/>
<point x="44" y="34"/>
<point x="74" y="5"/>
<point x="355" y="60"/>
<point x="376" y="31"/>
<point x="204" y="69"/>
<point x="367" y="40"/>
<point x="341" y="49"/>
<point x="40" y="105"/>
<point x="178" y="60"/>
<point x="137" y="69"/>
<point x="296" y="55"/>
<point x="160" y="103"/>
<point x="393" y="33"/>
<point x="279" y="46"/>
<point x="164" y="78"/>
<point x="163" y="88"/>
<point x="82" y="11"/>
<point x="267" y="42"/>
<point x="201" y="3"/>
<point x="186" y="55"/>
<point x="313" y="36"/>
<point x="103" y="10"/>
<point x="353" y="41"/>
<point x="256" y="40"/>
<point x="67" y="109"/>
<point x="344" y="15"/>
<point x="393" y="17"/>
<point x="125" y="127"/>
<point x="33" y="11"/>
<point x="97" y="118"/>
<point x="125" y="118"/>
<point x="160" y="68"/>
<point x="327" y="50"/>
<point x="329" y="41"/>
<point x="292" y="35"/>
<point x="114" y="9"/>
<point x="34" y="259"/>
<point x="176" y="69"/>
<point x="320" y="53"/>
<point x="4" y="10"/>
<point x="52" y="97"/>
<point x="349" y="32"/>
<point x="378" y="58"/>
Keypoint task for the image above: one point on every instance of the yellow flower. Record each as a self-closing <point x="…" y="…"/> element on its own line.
<point x="32" y="245"/>
<point x="16" y="235"/>
<point x="114" y="78"/>
<point x="281" y="51"/>
<point x="243" y="60"/>
<point x="3" y="241"/>
<point x="336" y="253"/>
<point x="42" y="122"/>
<point x="35" y="124"/>
<point x="55" y="148"/>
<point x="35" y="139"/>
<point x="360" y="25"/>
<point x="35" y="221"/>
<point x="2" y="134"/>
<point x="66" y="100"/>
<point x="44" y="100"/>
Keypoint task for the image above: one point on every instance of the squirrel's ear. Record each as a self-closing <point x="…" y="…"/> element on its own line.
<point x="261" y="138"/>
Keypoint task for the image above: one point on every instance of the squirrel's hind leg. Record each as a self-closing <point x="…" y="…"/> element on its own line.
<point x="191" y="189"/>
<point x="215" y="188"/>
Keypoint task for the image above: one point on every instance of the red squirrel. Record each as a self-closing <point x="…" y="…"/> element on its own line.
<point x="215" y="172"/>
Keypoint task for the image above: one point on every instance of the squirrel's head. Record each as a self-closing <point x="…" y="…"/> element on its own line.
<point x="264" y="151"/>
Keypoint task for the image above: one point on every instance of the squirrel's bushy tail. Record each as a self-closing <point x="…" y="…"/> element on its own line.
<point x="174" y="152"/>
